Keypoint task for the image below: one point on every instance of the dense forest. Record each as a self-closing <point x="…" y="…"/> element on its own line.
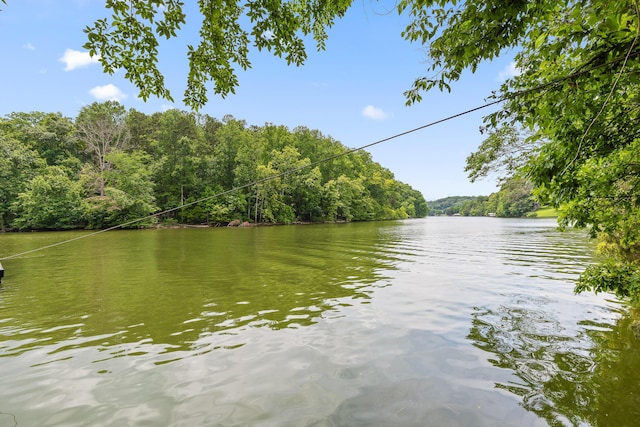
<point x="514" y="200"/>
<point x="110" y="166"/>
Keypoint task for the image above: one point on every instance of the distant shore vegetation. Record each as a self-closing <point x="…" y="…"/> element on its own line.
<point x="514" y="200"/>
<point x="111" y="166"/>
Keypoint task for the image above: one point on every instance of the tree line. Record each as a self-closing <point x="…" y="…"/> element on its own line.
<point x="110" y="166"/>
<point x="514" y="200"/>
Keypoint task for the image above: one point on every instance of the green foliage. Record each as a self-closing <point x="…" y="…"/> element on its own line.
<point x="100" y="212"/>
<point x="463" y="34"/>
<point x="620" y="278"/>
<point x="503" y="152"/>
<point x="102" y="128"/>
<point x="51" y="201"/>
<point x="177" y="158"/>
<point x="130" y="39"/>
<point x="514" y="200"/>
<point x="193" y="168"/>
<point x="449" y="205"/>
<point x="18" y="165"/>
<point x="214" y="210"/>
<point x="131" y="187"/>
<point x="126" y="41"/>
<point x="50" y="134"/>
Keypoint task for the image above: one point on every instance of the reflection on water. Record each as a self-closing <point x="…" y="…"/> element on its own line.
<point x="583" y="377"/>
<point x="442" y="321"/>
<point x="180" y="287"/>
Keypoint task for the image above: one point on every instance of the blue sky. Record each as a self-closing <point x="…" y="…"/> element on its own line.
<point x="352" y="91"/>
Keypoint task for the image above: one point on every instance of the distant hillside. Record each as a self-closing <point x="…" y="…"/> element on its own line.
<point x="453" y="204"/>
<point x="514" y="200"/>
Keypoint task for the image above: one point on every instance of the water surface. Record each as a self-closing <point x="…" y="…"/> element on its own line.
<point x="441" y="321"/>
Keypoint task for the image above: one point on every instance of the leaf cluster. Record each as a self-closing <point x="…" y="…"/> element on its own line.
<point x="620" y="278"/>
<point x="504" y="152"/>
<point x="129" y="39"/>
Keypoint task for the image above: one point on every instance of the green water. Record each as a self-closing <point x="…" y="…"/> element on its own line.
<point x="434" y="322"/>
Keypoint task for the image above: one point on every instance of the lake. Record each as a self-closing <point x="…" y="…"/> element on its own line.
<point x="431" y="322"/>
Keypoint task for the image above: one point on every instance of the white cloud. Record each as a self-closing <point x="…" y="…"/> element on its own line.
<point x="374" y="113"/>
<point x="75" y="59"/>
<point x="107" y="93"/>
<point x="29" y="46"/>
<point x="509" y="71"/>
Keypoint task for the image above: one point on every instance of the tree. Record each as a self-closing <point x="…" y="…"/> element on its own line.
<point x="503" y="152"/>
<point x="103" y="128"/>
<point x="230" y="136"/>
<point x="131" y="174"/>
<point x="515" y="198"/>
<point x="51" y="201"/>
<point x="50" y="134"/>
<point x="300" y="189"/>
<point x="18" y="165"/>
<point x="129" y="195"/>
<point x="143" y="131"/>
<point x="270" y="206"/>
<point x="128" y="39"/>
<point x="420" y="206"/>
<point x="176" y="157"/>
<point x="353" y="201"/>
<point x="247" y="146"/>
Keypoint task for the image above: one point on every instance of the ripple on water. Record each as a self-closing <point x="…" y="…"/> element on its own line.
<point x="456" y="322"/>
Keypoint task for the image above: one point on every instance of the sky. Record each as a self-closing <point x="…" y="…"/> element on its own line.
<point x="351" y="91"/>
